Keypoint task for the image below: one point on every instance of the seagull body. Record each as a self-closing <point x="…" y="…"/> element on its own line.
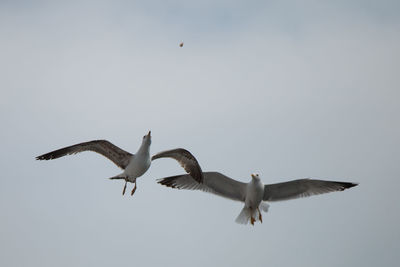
<point x="254" y="194"/>
<point x="139" y="163"/>
<point x="134" y="165"/>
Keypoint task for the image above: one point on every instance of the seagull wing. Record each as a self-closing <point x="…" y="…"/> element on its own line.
<point x="214" y="182"/>
<point x="185" y="159"/>
<point x="120" y="157"/>
<point x="302" y="188"/>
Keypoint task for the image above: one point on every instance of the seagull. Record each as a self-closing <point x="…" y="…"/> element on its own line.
<point x="254" y="194"/>
<point x="134" y="165"/>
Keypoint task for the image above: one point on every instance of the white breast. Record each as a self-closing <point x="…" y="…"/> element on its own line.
<point x="139" y="164"/>
<point x="254" y="193"/>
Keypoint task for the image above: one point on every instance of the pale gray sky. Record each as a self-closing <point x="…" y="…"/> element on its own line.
<point x="288" y="89"/>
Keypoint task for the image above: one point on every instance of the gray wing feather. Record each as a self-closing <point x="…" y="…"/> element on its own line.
<point x="302" y="188"/>
<point x="120" y="157"/>
<point x="214" y="182"/>
<point x="188" y="162"/>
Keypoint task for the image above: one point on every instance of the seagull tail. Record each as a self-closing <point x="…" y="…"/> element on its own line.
<point x="118" y="177"/>
<point x="244" y="216"/>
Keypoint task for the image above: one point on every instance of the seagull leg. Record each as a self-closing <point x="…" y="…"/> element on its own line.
<point x="134" y="189"/>
<point x="252" y="220"/>
<point x="123" y="191"/>
<point x="259" y="215"/>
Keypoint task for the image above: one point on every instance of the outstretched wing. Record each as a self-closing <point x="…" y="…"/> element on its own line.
<point x="213" y="182"/>
<point x="185" y="159"/>
<point x="302" y="188"/>
<point x="120" y="157"/>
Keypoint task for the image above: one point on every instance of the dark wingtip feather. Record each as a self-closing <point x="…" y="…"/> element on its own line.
<point x="352" y="184"/>
<point x="168" y="182"/>
<point x="57" y="153"/>
<point x="346" y="185"/>
<point x="44" y="157"/>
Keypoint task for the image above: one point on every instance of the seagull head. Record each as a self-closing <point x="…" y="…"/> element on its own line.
<point x="147" y="138"/>
<point x="255" y="176"/>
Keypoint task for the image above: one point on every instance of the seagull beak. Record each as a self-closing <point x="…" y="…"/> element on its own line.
<point x="149" y="134"/>
<point x="253" y="175"/>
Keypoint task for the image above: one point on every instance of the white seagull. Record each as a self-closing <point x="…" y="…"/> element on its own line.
<point x="134" y="165"/>
<point x="254" y="194"/>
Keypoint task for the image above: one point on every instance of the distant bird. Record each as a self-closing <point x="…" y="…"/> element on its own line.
<point x="134" y="165"/>
<point x="181" y="44"/>
<point x="253" y="193"/>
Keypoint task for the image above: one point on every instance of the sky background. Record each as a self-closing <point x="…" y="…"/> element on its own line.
<point x="287" y="89"/>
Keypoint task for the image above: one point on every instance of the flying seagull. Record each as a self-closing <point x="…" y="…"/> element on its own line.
<point x="134" y="165"/>
<point x="254" y="194"/>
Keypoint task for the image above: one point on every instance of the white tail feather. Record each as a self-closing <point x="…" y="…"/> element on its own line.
<point x="244" y="216"/>
<point x="246" y="213"/>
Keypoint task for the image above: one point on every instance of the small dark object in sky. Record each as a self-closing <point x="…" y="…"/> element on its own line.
<point x="181" y="44"/>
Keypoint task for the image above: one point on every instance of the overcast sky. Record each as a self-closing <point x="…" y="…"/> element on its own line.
<point x="287" y="89"/>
